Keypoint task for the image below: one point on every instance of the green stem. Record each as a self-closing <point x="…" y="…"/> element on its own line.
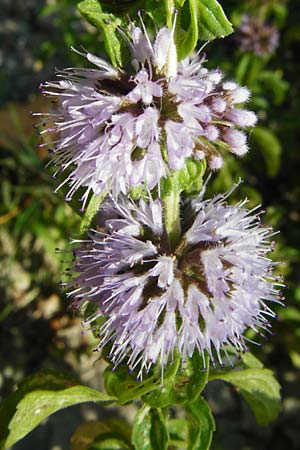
<point x="172" y="217"/>
<point x="169" y="7"/>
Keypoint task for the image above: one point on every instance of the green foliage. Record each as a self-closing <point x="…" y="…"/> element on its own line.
<point x="123" y="385"/>
<point x="212" y="20"/>
<point x="274" y="82"/>
<point x="29" y="213"/>
<point x="270" y="148"/>
<point x="91" y="211"/>
<point x="149" y="431"/>
<point x="183" y="387"/>
<point x="203" y="19"/>
<point x="201" y="425"/>
<point x="178" y="432"/>
<point x="200" y="19"/>
<point x="108" y="23"/>
<point x="187" y="181"/>
<point x="257" y="385"/>
<point x="190" y="38"/>
<point x="37" y="398"/>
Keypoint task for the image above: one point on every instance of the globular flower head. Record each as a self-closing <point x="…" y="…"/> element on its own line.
<point x="200" y="296"/>
<point x="115" y="129"/>
<point x="256" y="36"/>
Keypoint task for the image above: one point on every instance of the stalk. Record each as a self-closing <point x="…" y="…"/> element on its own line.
<point x="172" y="217"/>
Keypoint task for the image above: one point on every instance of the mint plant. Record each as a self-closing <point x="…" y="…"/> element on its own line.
<point x="167" y="280"/>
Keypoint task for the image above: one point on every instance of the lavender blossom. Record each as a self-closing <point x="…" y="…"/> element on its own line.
<point x="200" y="296"/>
<point x="114" y="130"/>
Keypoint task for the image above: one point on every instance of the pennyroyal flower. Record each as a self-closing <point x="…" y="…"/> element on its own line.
<point x="115" y="129"/>
<point x="256" y="36"/>
<point x="200" y="296"/>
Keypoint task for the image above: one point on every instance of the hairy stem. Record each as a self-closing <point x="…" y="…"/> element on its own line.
<point x="172" y="217"/>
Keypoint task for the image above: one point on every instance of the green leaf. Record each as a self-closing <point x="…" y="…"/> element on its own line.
<point x="201" y="425"/>
<point x="242" y="68"/>
<point x="270" y="148"/>
<point x="258" y="386"/>
<point x="212" y="21"/>
<point x="108" y="23"/>
<point x="188" y="41"/>
<point x="251" y="361"/>
<point x="184" y="386"/>
<point x="37" y="398"/>
<point x="187" y="180"/>
<point x="149" y="430"/>
<point x="178" y="432"/>
<point x="192" y="184"/>
<point x="124" y="385"/>
<point x="91" y="211"/>
<point x="199" y="19"/>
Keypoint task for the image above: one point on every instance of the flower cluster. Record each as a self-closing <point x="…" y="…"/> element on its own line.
<point x="201" y="295"/>
<point x="257" y="37"/>
<point x="114" y="130"/>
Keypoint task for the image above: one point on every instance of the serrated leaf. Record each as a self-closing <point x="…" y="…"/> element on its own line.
<point x="212" y="21"/>
<point x="270" y="148"/>
<point x="149" y="430"/>
<point x="260" y="389"/>
<point x="91" y="211"/>
<point x="108" y="23"/>
<point x="201" y="425"/>
<point x="200" y="19"/>
<point x="37" y="398"/>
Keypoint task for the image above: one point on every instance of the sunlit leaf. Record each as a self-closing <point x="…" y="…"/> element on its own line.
<point x="108" y="23"/>
<point x="212" y="21"/>
<point x="259" y="387"/>
<point x="39" y="397"/>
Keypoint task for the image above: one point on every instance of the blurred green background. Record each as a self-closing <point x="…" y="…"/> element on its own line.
<point x="37" y="330"/>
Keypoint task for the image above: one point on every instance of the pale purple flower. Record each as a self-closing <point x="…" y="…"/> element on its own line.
<point x="257" y="36"/>
<point x="200" y="296"/>
<point x="108" y="123"/>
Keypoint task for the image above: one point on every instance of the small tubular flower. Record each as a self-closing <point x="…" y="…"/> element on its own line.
<point x="200" y="296"/>
<point x="108" y="123"/>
